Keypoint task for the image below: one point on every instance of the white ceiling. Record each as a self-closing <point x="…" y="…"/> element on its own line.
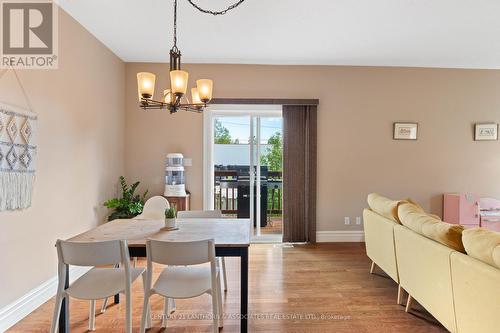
<point x="422" y="33"/>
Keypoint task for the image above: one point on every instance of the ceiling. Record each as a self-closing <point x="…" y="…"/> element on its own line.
<point x="417" y="33"/>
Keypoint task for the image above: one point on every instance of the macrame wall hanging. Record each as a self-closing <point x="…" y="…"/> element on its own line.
<point x="17" y="153"/>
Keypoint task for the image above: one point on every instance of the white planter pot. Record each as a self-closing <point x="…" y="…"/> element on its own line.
<point x="170" y="223"/>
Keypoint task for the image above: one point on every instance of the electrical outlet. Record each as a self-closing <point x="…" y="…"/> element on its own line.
<point x="347" y="220"/>
<point x="358" y="219"/>
<point x="188" y="162"/>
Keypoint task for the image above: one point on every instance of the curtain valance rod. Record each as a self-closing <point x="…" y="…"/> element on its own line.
<point x="269" y="101"/>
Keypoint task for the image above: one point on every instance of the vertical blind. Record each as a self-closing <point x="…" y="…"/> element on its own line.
<point x="299" y="173"/>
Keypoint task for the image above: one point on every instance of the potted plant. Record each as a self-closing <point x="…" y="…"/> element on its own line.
<point x="129" y="205"/>
<point x="170" y="217"/>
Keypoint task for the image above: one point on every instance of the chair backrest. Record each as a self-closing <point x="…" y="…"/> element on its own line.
<point x="154" y="208"/>
<point x="92" y="253"/>
<point x="180" y="253"/>
<point x="199" y="214"/>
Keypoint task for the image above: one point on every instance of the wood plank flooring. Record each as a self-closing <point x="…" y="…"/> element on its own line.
<point x="274" y="226"/>
<point x="309" y="288"/>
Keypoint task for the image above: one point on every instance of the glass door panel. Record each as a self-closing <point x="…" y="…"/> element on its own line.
<point x="247" y="167"/>
<point x="268" y="145"/>
<point x="231" y="159"/>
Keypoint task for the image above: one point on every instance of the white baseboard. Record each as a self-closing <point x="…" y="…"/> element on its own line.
<point x="20" y="308"/>
<point x="340" y="236"/>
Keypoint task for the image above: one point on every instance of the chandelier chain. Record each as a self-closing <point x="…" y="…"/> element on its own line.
<point x="219" y="12"/>
<point x="206" y="11"/>
<point x="175" y="23"/>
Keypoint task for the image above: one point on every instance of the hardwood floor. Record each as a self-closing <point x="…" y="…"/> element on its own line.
<point x="332" y="280"/>
<point x="274" y="226"/>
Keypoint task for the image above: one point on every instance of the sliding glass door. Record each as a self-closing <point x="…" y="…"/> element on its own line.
<point x="243" y="166"/>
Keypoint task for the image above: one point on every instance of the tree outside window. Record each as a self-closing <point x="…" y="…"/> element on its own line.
<point x="221" y="134"/>
<point x="273" y="157"/>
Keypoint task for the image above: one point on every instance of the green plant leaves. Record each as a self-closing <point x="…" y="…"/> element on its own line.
<point x="170" y="213"/>
<point x="129" y="205"/>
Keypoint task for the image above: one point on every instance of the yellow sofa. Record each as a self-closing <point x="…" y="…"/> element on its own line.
<point x="461" y="291"/>
<point x="380" y="246"/>
<point x="379" y="221"/>
<point x="476" y="292"/>
<point x="424" y="272"/>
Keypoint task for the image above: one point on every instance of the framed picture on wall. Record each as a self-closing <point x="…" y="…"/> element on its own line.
<point x="486" y="132"/>
<point x="405" y="131"/>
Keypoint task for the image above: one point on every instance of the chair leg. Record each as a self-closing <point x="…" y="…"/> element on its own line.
<point x="219" y="304"/>
<point x="148" y="318"/>
<point x="92" y="315"/>
<point x="57" y="310"/>
<point x="145" y="312"/>
<point x="400" y="294"/>
<point x="215" y="308"/>
<point x="166" y="302"/>
<point x="224" y="273"/>
<point x="104" y="305"/>
<point x="372" y="268"/>
<point x="135" y="262"/>
<point x="409" y="302"/>
<point x="172" y="306"/>
<point x="128" y="313"/>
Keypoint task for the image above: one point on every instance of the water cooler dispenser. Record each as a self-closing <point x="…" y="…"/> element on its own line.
<point x="174" y="176"/>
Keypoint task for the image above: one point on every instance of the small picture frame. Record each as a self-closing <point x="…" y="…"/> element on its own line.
<point x="486" y="132"/>
<point x="405" y="131"/>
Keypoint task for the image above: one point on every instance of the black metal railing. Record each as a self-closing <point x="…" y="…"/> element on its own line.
<point x="226" y="192"/>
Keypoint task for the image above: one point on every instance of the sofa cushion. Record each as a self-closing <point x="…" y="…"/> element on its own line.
<point x="384" y="206"/>
<point x="416" y="219"/>
<point x="418" y="207"/>
<point x="483" y="245"/>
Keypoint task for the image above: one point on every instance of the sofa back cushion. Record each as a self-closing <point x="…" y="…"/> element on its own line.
<point x="483" y="245"/>
<point x="379" y="242"/>
<point x="384" y="206"/>
<point x="424" y="272"/>
<point x="430" y="226"/>
<point x="476" y="292"/>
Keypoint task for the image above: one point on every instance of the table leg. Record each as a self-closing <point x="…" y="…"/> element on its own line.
<point x="117" y="296"/>
<point x="244" y="290"/>
<point x="64" y="314"/>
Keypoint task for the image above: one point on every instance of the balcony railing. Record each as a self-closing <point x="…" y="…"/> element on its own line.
<point x="226" y="192"/>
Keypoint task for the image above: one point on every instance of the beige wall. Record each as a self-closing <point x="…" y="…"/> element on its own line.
<point x="356" y="153"/>
<point x="80" y="155"/>
<point x="85" y="140"/>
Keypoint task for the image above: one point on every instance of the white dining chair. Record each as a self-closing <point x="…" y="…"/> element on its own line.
<point x="97" y="283"/>
<point x="214" y="214"/>
<point x="191" y="271"/>
<point x="154" y="209"/>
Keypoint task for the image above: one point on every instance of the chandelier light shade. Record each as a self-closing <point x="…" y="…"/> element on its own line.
<point x="167" y="96"/>
<point x="195" y="97"/>
<point x="172" y="97"/>
<point x="205" y="88"/>
<point x="179" y="82"/>
<point x="146" y="84"/>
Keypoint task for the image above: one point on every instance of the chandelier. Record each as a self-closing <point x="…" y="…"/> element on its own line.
<point x="173" y="97"/>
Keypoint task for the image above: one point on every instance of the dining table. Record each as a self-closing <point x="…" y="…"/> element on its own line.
<point x="231" y="238"/>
